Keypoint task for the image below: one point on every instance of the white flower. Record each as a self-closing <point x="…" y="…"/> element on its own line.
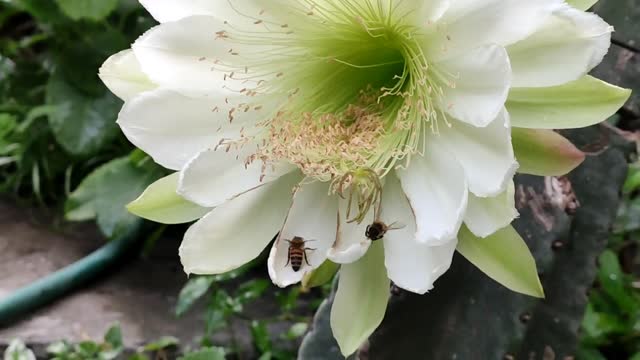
<point x="252" y="99"/>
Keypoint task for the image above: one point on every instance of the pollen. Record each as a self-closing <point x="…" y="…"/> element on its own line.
<point x="328" y="145"/>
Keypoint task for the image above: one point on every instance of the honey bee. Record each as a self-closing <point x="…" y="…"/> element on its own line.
<point x="378" y="229"/>
<point x="297" y="252"/>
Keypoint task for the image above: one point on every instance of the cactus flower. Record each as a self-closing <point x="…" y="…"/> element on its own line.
<point x="314" y="119"/>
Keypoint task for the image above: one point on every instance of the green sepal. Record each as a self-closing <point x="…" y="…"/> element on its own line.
<point x="577" y="104"/>
<point x="544" y="152"/>
<point x="504" y="257"/>
<point x="321" y="275"/>
<point x="160" y="203"/>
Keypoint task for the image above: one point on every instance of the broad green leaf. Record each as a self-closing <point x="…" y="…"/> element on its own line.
<point x="614" y="282"/>
<point x="544" y="152"/>
<point x="113" y="337"/>
<point x="87" y="9"/>
<point x="504" y="257"/>
<point x="162" y="343"/>
<point x="106" y="191"/>
<point x="44" y="11"/>
<point x="193" y="290"/>
<point x="212" y="353"/>
<point x="81" y="124"/>
<point x="320" y="276"/>
<point x="582" y="4"/>
<point x="361" y="300"/>
<point x="632" y="183"/>
<point x="577" y="104"/>
<point x="160" y="203"/>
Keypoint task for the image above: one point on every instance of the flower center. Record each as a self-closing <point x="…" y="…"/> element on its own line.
<point x="360" y="93"/>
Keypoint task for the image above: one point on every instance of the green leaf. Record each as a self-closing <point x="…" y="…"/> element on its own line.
<point x="106" y="191"/>
<point x="632" y="182"/>
<point x="589" y="354"/>
<point x="321" y="275"/>
<point x="162" y="343"/>
<point x="597" y="326"/>
<point x="544" y="152"/>
<point x="212" y="353"/>
<point x="614" y="282"/>
<point x="87" y="9"/>
<point x="582" y="4"/>
<point x="577" y="104"/>
<point x="193" y="290"/>
<point x="113" y="337"/>
<point x="44" y="11"/>
<point x="160" y="203"/>
<point x="361" y="299"/>
<point x="81" y="124"/>
<point x="504" y="257"/>
<point x="260" y="335"/>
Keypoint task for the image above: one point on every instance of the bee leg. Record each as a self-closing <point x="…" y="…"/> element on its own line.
<point x="288" y="260"/>
<point x="305" y="256"/>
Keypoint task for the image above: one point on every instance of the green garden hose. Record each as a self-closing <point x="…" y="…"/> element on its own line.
<point x="54" y="286"/>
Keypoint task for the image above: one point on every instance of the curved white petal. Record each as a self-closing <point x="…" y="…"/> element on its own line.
<point x="237" y="231"/>
<point x="121" y="73"/>
<point x="424" y="14"/>
<point x="568" y="46"/>
<point x="436" y="187"/>
<point x="351" y="242"/>
<point x="313" y="217"/>
<point x="219" y="174"/>
<point x="235" y="11"/>
<point x="173" y="128"/>
<point x="476" y="85"/>
<point x="468" y="24"/>
<point x="485" y="216"/>
<point x="486" y="154"/>
<point x="190" y="56"/>
<point x="172" y="10"/>
<point x="411" y="265"/>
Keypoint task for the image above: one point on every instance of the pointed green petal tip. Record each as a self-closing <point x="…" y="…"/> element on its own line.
<point x="584" y="102"/>
<point x="160" y="203"/>
<point x="544" y="152"/>
<point x="582" y="4"/>
<point x="320" y="276"/>
<point x="504" y="257"/>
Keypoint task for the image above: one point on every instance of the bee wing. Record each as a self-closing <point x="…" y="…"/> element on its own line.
<point x="397" y="225"/>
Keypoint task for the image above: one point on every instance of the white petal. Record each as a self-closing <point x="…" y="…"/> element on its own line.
<point x="478" y="84"/>
<point x="351" y="242"/>
<point x="312" y="217"/>
<point x="361" y="300"/>
<point x="437" y="190"/>
<point x="486" y="154"/>
<point x="188" y="56"/>
<point x="411" y="265"/>
<point x="173" y="128"/>
<point x="568" y="46"/>
<point x="485" y="216"/>
<point x="172" y="10"/>
<point x="237" y="231"/>
<point x="423" y="14"/>
<point x="468" y="24"/>
<point x="217" y="175"/>
<point x="229" y="10"/>
<point x="121" y="73"/>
